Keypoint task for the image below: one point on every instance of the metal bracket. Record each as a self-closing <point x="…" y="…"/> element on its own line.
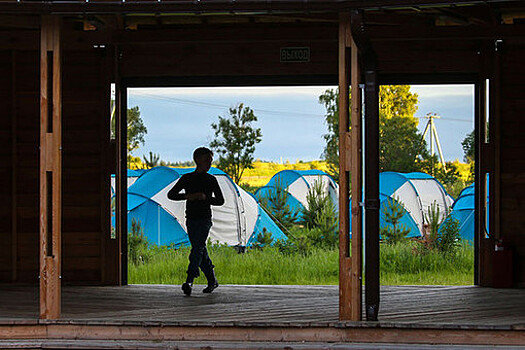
<point x="372" y="204"/>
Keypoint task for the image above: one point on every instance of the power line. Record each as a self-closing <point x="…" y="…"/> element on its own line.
<point x="176" y="100"/>
<point x="450" y="119"/>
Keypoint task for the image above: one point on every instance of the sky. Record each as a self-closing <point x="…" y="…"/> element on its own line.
<point x="291" y="118"/>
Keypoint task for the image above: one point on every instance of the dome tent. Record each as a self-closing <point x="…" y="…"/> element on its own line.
<point x="463" y="210"/>
<point x="237" y="222"/>
<point x="133" y="175"/>
<point x="416" y="192"/>
<point x="297" y="183"/>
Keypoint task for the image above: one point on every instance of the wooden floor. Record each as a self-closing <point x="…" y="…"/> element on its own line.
<point x="409" y="305"/>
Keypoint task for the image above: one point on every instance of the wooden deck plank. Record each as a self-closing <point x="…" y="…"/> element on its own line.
<point x="424" y="305"/>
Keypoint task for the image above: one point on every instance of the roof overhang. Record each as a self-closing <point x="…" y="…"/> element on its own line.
<point x="221" y="6"/>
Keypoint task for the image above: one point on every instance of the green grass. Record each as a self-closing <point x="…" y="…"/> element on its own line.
<point x="399" y="265"/>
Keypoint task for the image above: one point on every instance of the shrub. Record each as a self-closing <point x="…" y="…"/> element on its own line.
<point x="393" y="212"/>
<point x="444" y="233"/>
<point x="138" y="245"/>
<point x="263" y="239"/>
<point x="276" y="204"/>
<point x="320" y="217"/>
<point x="449" y="238"/>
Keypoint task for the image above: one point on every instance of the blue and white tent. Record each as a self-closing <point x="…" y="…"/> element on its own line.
<point x="297" y="183"/>
<point x="237" y="222"/>
<point x="416" y="192"/>
<point x="133" y="175"/>
<point x="463" y="211"/>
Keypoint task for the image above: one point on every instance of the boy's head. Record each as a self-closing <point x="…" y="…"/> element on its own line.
<point x="203" y="157"/>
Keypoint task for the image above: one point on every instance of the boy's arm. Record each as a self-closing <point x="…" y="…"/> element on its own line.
<point x="174" y="193"/>
<point x="217" y="198"/>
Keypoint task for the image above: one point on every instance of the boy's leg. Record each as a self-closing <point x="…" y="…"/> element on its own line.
<point x="198" y="233"/>
<point x="207" y="269"/>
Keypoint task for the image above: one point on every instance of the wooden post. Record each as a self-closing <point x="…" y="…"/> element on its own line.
<point x="357" y="183"/>
<point x="372" y="194"/>
<point x="345" y="277"/>
<point x="121" y="181"/>
<point x="50" y="167"/>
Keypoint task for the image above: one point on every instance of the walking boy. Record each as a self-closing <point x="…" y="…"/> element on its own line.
<point x="201" y="191"/>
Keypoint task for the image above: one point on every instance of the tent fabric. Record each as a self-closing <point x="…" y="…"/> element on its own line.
<point x="237" y="222"/>
<point x="297" y="183"/>
<point x="463" y="210"/>
<point x="416" y="192"/>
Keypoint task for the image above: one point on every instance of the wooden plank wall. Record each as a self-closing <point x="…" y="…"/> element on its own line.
<point x="27" y="115"/>
<point x="6" y="157"/>
<point x="228" y="51"/>
<point x="512" y="151"/>
<point x="86" y="96"/>
<point x="87" y="248"/>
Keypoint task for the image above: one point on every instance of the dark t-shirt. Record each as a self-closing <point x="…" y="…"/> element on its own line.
<point x="194" y="183"/>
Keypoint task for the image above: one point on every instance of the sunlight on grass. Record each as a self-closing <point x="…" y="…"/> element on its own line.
<point x="400" y="265"/>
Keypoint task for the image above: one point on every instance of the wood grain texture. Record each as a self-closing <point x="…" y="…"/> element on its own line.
<point x="50" y="168"/>
<point x="345" y="267"/>
<point x="403" y="307"/>
<point x="356" y="171"/>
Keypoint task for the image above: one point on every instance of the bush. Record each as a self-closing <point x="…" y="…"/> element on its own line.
<point x="263" y="239"/>
<point x="393" y="212"/>
<point x="138" y="245"/>
<point x="276" y="204"/>
<point x="449" y="238"/>
<point x="444" y="233"/>
<point x="320" y="218"/>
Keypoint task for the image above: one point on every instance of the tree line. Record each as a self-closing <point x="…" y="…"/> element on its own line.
<point x="402" y="147"/>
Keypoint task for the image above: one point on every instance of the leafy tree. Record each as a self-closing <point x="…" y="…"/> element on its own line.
<point x="397" y="107"/>
<point x="235" y="140"/>
<point x="331" y="150"/>
<point x="136" y="129"/>
<point x="468" y="147"/>
<point x="400" y="144"/>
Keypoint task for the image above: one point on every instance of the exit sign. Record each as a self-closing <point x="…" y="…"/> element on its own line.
<point x="295" y="54"/>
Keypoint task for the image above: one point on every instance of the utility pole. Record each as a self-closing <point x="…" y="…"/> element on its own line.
<point x="431" y="127"/>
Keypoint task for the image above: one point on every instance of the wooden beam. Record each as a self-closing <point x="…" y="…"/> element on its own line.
<point x="357" y="183"/>
<point x="345" y="287"/>
<point x="50" y="167"/>
<point x="372" y="194"/>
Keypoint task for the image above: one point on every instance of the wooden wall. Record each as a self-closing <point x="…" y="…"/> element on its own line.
<point x="89" y="255"/>
<point x="236" y="51"/>
<point x="512" y="152"/>
<point x="19" y="91"/>
<point x="6" y="159"/>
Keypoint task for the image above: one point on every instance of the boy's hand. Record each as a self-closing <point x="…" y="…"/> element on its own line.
<point x="199" y="196"/>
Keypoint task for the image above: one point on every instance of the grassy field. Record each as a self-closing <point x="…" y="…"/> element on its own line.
<point x="262" y="172"/>
<point x="400" y="265"/>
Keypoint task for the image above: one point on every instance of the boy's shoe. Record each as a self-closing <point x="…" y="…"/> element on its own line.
<point x="211" y="287"/>
<point x="186" y="288"/>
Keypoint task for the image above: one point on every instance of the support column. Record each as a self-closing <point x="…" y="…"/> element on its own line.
<point x="345" y="262"/>
<point x="357" y="185"/>
<point x="350" y="165"/>
<point x="121" y="181"/>
<point x="372" y="194"/>
<point x="50" y="167"/>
